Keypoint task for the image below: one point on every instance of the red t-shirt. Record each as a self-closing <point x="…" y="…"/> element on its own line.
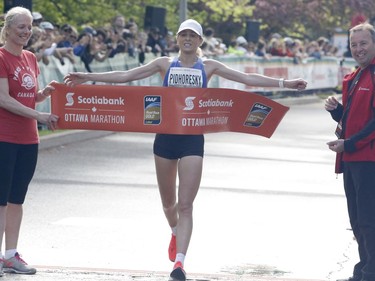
<point x="22" y="72"/>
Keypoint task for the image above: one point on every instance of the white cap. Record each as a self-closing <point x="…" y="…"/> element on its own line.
<point x="37" y="16"/>
<point x="46" y="25"/>
<point x="191" y="25"/>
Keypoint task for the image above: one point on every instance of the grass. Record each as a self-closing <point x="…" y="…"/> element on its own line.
<point x="44" y="132"/>
<point x="326" y="93"/>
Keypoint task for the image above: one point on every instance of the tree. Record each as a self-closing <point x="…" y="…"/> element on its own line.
<point x="99" y="13"/>
<point x="227" y="18"/>
<point x="96" y="13"/>
<point x="309" y="18"/>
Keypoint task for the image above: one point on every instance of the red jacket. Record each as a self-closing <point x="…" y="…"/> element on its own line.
<point x="359" y="139"/>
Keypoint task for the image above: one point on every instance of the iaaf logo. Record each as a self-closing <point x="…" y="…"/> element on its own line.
<point x="93" y="100"/>
<point x="151" y="99"/>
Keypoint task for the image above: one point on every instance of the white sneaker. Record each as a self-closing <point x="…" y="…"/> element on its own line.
<point x="17" y="265"/>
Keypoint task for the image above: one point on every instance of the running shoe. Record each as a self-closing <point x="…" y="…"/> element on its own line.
<point x="17" y="265"/>
<point x="172" y="248"/>
<point x="178" y="272"/>
<point x="1" y="267"/>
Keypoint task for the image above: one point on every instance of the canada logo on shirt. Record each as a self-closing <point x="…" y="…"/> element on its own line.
<point x="28" y="81"/>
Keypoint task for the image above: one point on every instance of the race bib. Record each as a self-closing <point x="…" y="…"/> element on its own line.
<point x="185" y="77"/>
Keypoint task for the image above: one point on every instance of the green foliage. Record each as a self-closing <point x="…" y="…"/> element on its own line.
<point x="309" y="18"/>
<point x="223" y="10"/>
<point x="227" y="18"/>
<point x="98" y="13"/>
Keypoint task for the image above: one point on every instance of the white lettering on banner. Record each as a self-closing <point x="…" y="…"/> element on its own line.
<point x="104" y="119"/>
<point x="217" y="120"/>
<point x="185" y="77"/>
<point x="73" y="117"/>
<point x="201" y="122"/>
<point x="193" y="122"/>
<point x="107" y="119"/>
<point x="215" y="103"/>
<point x="101" y="100"/>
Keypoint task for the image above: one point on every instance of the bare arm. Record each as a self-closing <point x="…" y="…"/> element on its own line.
<point x="158" y="65"/>
<point x="251" y="79"/>
<point x="43" y="94"/>
<point x="12" y="105"/>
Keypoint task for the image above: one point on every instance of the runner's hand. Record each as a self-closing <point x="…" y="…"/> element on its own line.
<point x="75" y="78"/>
<point x="298" y="84"/>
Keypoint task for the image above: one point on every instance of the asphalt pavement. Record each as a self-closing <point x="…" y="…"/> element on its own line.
<point x="71" y="273"/>
<point x="83" y="274"/>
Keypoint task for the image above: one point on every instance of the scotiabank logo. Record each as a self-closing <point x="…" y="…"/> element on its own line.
<point x="189" y="104"/>
<point x="94" y="100"/>
<point x="216" y="103"/>
<point x="69" y="99"/>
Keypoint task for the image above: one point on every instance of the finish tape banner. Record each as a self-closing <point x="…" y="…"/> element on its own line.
<point x="165" y="110"/>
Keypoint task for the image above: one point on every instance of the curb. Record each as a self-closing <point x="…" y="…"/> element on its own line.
<point x="63" y="138"/>
<point x="289" y="101"/>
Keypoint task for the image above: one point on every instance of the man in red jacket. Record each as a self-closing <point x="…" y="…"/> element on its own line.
<point x="355" y="146"/>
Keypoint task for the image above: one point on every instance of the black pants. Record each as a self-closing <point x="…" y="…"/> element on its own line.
<point x="17" y="166"/>
<point x="359" y="184"/>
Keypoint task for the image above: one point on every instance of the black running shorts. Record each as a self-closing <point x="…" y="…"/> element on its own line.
<point x="178" y="146"/>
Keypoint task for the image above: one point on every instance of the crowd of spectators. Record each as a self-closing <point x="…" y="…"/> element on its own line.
<point x="279" y="46"/>
<point x="121" y="36"/>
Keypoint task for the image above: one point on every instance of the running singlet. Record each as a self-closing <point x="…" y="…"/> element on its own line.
<point x="21" y="72"/>
<point x="178" y="76"/>
<point x="177" y="146"/>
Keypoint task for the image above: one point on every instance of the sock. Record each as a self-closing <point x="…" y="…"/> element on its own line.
<point x="180" y="257"/>
<point x="174" y="230"/>
<point x="10" y="253"/>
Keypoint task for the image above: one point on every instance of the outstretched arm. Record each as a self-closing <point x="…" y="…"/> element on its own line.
<point x="251" y="79"/>
<point x="147" y="70"/>
<point x="12" y="105"/>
